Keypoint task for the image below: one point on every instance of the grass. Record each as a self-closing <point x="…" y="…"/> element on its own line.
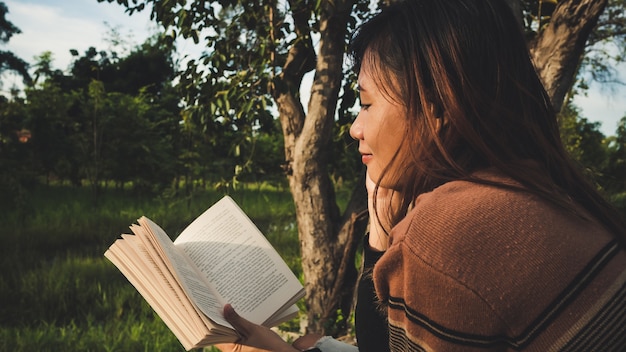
<point x="59" y="293"/>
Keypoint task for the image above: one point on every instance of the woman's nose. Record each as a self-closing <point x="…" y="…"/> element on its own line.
<point x="356" y="130"/>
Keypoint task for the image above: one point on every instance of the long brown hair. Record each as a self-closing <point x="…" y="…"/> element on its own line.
<point x="473" y="99"/>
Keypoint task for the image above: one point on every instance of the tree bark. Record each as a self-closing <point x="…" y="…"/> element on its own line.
<point x="327" y="238"/>
<point x="558" y="49"/>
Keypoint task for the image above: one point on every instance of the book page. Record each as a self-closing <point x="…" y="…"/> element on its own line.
<point x="156" y="272"/>
<point x="239" y="262"/>
<point x="203" y="296"/>
<point x="120" y="254"/>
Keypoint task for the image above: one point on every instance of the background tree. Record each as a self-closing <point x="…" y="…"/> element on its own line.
<point x="43" y="68"/>
<point x="606" y="46"/>
<point x="16" y="170"/>
<point x="53" y="140"/>
<point x="88" y="124"/>
<point x="264" y="48"/>
<point x="616" y="164"/>
<point x="8" y="60"/>
<point x="13" y="172"/>
<point x="559" y="44"/>
<point x="583" y="140"/>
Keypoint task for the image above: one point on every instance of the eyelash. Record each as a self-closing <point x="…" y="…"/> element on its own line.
<point x="365" y="106"/>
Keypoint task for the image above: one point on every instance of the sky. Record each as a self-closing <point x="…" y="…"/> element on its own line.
<point x="60" y="25"/>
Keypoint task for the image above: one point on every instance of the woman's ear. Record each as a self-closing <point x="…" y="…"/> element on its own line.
<point x="439" y="123"/>
<point x="436" y="112"/>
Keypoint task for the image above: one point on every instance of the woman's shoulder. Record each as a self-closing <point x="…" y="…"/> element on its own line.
<point x="487" y="251"/>
<point x="463" y="200"/>
<point x="461" y="216"/>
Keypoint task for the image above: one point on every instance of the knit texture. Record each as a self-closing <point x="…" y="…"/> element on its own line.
<point x="475" y="268"/>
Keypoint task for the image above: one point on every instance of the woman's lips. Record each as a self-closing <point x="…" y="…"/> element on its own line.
<point x="366" y="158"/>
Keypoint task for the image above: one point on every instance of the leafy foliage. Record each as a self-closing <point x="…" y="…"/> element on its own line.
<point x="607" y="44"/>
<point x="109" y="111"/>
<point x="8" y="60"/>
<point x="118" y="120"/>
<point x="583" y="140"/>
<point x="602" y="158"/>
<point x="616" y="163"/>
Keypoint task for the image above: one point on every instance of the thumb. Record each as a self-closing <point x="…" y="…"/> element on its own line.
<point x="240" y="324"/>
<point x="257" y="337"/>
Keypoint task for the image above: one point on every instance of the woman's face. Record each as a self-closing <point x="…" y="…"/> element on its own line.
<point x="379" y="129"/>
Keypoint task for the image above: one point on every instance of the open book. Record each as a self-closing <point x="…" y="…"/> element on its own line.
<point x="221" y="257"/>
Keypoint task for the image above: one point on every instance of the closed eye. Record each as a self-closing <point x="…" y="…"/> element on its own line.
<point x="365" y="106"/>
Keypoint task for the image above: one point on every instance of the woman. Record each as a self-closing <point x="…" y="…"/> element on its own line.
<point x="483" y="236"/>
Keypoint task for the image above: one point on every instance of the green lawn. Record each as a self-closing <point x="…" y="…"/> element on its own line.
<point x="59" y="293"/>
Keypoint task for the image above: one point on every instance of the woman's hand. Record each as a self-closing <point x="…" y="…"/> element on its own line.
<point x="386" y="200"/>
<point x="254" y="338"/>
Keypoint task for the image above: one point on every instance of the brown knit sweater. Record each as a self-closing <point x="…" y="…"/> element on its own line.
<point x="482" y="268"/>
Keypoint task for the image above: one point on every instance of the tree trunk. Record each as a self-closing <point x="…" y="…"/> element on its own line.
<point x="558" y="49"/>
<point x="327" y="238"/>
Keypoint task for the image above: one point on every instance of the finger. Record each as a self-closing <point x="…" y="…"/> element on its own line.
<point x="240" y="324"/>
<point x="226" y="347"/>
